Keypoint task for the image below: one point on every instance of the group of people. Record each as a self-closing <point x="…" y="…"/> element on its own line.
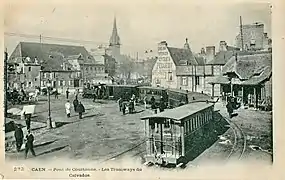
<point x="161" y="105"/>
<point x="124" y="104"/>
<point x="29" y="140"/>
<point x="78" y="107"/>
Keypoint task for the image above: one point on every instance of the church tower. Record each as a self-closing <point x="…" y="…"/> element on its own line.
<point x="114" y="43"/>
<point x="186" y="45"/>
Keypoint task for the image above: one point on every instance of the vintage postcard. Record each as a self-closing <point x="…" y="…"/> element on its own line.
<point x="147" y="89"/>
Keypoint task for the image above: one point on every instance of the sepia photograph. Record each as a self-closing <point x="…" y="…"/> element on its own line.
<point x="167" y="86"/>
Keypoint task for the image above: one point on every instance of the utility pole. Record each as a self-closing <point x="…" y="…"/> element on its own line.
<point x="241" y="34"/>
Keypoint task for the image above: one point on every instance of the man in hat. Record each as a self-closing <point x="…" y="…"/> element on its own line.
<point x="75" y="104"/>
<point x="28" y="120"/>
<point x="29" y="144"/>
<point x="80" y="109"/>
<point x="67" y="93"/>
<point x="120" y="101"/>
<point x="19" y="136"/>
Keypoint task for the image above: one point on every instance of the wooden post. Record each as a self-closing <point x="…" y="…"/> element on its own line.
<point x="254" y="95"/>
<point x="213" y="90"/>
<point x="161" y="136"/>
<point x="182" y="140"/>
<point x="256" y="98"/>
<point x="232" y="89"/>
<point x="242" y="98"/>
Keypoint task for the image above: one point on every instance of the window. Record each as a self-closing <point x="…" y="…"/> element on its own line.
<point x="45" y="75"/>
<point x="30" y="84"/>
<point x="170" y="76"/>
<point x="50" y="75"/>
<point x="95" y="69"/>
<point x="184" y="81"/>
<point x="69" y="83"/>
<point x="197" y="80"/>
<point x="63" y="83"/>
<point x="30" y="68"/>
<point x="91" y="68"/>
<point x="35" y="79"/>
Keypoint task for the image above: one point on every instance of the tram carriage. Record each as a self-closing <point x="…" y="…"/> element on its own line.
<point x="149" y="91"/>
<point x="170" y="133"/>
<point x="177" y="96"/>
<point x="124" y="91"/>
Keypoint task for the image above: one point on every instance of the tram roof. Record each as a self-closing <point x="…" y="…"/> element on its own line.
<point x="151" y="87"/>
<point x="181" y="112"/>
<point x="121" y="85"/>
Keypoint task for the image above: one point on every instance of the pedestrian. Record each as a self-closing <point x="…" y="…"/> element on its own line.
<point x="134" y="99"/>
<point x="67" y="93"/>
<point x="120" y="101"/>
<point x="37" y="92"/>
<point x="229" y="107"/>
<point x="67" y="108"/>
<point x="162" y="104"/>
<point x="19" y="136"/>
<point x="75" y="104"/>
<point x="124" y="108"/>
<point x="131" y="106"/>
<point x="28" y="120"/>
<point x="145" y="102"/>
<point x="29" y="144"/>
<point x="56" y="94"/>
<point x="80" y="109"/>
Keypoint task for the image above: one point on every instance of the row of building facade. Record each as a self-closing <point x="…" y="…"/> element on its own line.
<point x="241" y="71"/>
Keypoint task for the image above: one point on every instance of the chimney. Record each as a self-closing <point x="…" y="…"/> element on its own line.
<point x="163" y="43"/>
<point x="203" y="51"/>
<point x="210" y="53"/>
<point x="223" y="46"/>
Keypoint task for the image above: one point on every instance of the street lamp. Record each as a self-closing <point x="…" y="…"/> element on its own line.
<point x="49" y="124"/>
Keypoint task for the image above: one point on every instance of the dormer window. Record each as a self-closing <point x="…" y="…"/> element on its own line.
<point x="50" y="56"/>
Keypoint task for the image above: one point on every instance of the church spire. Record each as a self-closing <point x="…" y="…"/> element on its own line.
<point x="115" y="39"/>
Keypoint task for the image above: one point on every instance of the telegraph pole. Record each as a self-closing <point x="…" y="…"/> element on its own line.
<point x="241" y="35"/>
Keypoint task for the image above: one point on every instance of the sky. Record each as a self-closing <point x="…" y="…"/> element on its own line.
<point x="141" y="24"/>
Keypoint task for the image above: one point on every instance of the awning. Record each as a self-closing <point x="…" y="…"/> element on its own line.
<point x="219" y="80"/>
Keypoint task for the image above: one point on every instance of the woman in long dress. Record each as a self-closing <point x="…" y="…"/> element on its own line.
<point x="67" y="108"/>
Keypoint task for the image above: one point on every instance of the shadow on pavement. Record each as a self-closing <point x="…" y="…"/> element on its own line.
<point x="33" y="129"/>
<point x="52" y="150"/>
<point x="59" y="124"/>
<point x="44" y="144"/>
<point x="93" y="115"/>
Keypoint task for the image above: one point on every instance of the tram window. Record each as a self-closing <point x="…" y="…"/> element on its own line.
<point x="152" y="125"/>
<point x="167" y="123"/>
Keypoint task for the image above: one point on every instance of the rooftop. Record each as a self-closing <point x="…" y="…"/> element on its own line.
<point x="179" y="54"/>
<point x="181" y="112"/>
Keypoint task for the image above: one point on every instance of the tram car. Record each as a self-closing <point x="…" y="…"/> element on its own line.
<point x="170" y="133"/>
<point x="91" y="90"/>
<point x="122" y="91"/>
<point x="148" y="92"/>
<point x="177" y="97"/>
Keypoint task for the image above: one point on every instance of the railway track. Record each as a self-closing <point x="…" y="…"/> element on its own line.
<point x="132" y="152"/>
<point x="239" y="145"/>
